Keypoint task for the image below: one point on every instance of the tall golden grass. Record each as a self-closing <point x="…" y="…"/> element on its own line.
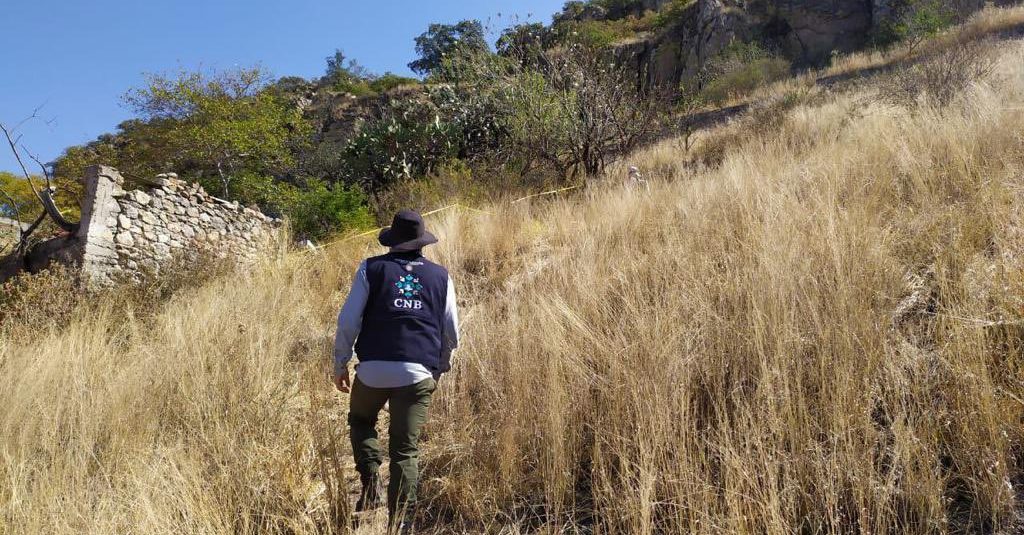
<point x="819" y="334"/>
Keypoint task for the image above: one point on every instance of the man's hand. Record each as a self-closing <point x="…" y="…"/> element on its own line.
<point x="342" y="382"/>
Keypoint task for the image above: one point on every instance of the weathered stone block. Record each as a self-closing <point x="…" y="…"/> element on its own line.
<point x="125" y="238"/>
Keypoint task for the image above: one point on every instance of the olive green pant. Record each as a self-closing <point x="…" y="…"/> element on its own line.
<point x="408" y="409"/>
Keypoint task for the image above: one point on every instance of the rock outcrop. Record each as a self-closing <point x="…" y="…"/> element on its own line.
<point x="808" y="32"/>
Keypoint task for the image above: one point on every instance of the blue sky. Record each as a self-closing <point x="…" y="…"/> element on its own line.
<point x="77" y="57"/>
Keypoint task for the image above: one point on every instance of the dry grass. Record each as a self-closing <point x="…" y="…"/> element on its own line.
<point x="821" y="334"/>
<point x="988" y="23"/>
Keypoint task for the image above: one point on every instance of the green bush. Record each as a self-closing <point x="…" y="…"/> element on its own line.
<point x="419" y="132"/>
<point x="321" y="210"/>
<point x="274" y="197"/>
<point x="671" y="14"/>
<point x="917" y="20"/>
<point x="389" y="81"/>
<point x="600" y="33"/>
<point x="574" y="112"/>
<point x="739" y="69"/>
<point x="409" y="141"/>
<point x="603" y="33"/>
<point x="359" y="88"/>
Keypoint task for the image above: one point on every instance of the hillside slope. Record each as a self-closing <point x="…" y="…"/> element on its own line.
<point x="818" y="332"/>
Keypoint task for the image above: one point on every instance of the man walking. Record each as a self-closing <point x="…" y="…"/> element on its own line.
<point x="401" y="317"/>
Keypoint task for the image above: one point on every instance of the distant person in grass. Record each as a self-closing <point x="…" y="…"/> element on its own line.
<point x="401" y="317"/>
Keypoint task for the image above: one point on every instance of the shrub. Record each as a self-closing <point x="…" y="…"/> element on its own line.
<point x="273" y="196"/>
<point x="617" y="9"/>
<point x="452" y="182"/>
<point x="917" y="21"/>
<point x="321" y="210"/>
<point x="574" y="112"/>
<point x="596" y="33"/>
<point x="602" y="33"/>
<point x="671" y="14"/>
<point x="389" y="81"/>
<point x="940" y="78"/>
<point x="525" y="42"/>
<point x="410" y="140"/>
<point x="33" y="303"/>
<point x="741" y="68"/>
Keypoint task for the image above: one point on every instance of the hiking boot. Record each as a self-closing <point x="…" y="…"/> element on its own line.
<point x="369" y="497"/>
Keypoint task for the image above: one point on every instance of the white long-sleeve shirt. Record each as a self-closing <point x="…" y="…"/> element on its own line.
<point x="384" y="373"/>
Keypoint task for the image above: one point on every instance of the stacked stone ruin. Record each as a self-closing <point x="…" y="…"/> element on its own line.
<point x="125" y="233"/>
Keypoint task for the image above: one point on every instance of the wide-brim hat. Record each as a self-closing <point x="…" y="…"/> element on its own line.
<point x="406" y="233"/>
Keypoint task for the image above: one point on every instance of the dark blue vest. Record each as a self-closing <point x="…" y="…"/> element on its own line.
<point x="404" y="315"/>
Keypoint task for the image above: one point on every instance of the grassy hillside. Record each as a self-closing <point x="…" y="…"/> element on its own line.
<point x="812" y="324"/>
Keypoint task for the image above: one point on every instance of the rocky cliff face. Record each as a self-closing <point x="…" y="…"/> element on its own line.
<point x="806" y="31"/>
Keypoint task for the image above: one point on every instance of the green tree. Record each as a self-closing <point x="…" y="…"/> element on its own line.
<point x="913" y="22"/>
<point x="442" y="41"/>
<point x="525" y="42"/>
<point x="922" y="20"/>
<point x="574" y="112"/>
<point x="138" y="149"/>
<point x="17" y="197"/>
<point x="221" y="124"/>
<point x="347" y="75"/>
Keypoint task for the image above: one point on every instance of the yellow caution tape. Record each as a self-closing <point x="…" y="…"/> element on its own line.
<point x="442" y="209"/>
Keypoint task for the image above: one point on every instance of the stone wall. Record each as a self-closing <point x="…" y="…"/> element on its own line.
<point x="126" y="232"/>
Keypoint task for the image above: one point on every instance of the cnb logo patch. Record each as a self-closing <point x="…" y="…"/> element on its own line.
<point x="408" y="287"/>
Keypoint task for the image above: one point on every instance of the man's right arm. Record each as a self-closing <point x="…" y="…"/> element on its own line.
<point x="350" y="320"/>
<point x="450" y="329"/>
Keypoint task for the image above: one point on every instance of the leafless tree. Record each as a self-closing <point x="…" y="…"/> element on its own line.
<point x="585" y="110"/>
<point x="574" y="108"/>
<point x="44" y="195"/>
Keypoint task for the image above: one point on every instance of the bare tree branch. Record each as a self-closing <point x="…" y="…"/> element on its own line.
<point x="27" y="232"/>
<point x="42" y="166"/>
<point x="44" y="196"/>
<point x="47" y="198"/>
<point x="17" y="156"/>
<point x="35" y="114"/>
